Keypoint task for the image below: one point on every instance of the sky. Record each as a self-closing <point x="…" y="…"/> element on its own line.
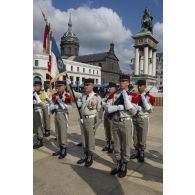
<point x="97" y="23"/>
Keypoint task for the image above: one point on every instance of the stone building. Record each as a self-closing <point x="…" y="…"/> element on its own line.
<point x="108" y="61"/>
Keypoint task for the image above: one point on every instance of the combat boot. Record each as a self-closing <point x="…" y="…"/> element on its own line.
<point x="47" y="133"/>
<point x="82" y="160"/>
<point x="56" y="153"/>
<point x="107" y="146"/>
<point x="117" y="168"/>
<point x="62" y="153"/>
<point x="110" y="148"/>
<point x="135" y="154"/>
<point x="89" y="160"/>
<point x="141" y="156"/>
<point x="38" y="144"/>
<point x="123" y="171"/>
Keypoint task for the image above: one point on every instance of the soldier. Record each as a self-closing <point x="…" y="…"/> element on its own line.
<point x="107" y="122"/>
<point x="46" y="111"/>
<point x="89" y="105"/>
<point x="61" y="104"/>
<point x="145" y="103"/>
<point x="120" y="112"/>
<point x="38" y="105"/>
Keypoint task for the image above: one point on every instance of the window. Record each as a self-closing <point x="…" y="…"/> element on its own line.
<point x="93" y="71"/>
<point x="71" y="68"/>
<point x="77" y="69"/>
<point x="83" y="79"/>
<point x="100" y="64"/>
<point x="71" y="78"/>
<point x="36" y="62"/>
<point x="97" y="71"/>
<point x="96" y="81"/>
<point x="89" y="71"/>
<point x="83" y="69"/>
<point x="77" y="80"/>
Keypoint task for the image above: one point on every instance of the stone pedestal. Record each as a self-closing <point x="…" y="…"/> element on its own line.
<point x="145" y="57"/>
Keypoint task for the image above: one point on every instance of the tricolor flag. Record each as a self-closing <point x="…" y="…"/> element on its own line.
<point x="58" y="68"/>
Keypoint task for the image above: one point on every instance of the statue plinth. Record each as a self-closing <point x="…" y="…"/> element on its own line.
<point x="145" y="57"/>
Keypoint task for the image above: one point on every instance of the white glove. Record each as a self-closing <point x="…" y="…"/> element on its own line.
<point x="120" y="107"/>
<point x="139" y="108"/>
<point x="53" y="107"/>
<point x="37" y="98"/>
<point x="68" y="81"/>
<point x="146" y="104"/>
<point x="114" y="108"/>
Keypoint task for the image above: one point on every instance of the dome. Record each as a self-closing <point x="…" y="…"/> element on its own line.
<point x="69" y="36"/>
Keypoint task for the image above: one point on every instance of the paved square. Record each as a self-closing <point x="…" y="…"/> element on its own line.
<point x="64" y="177"/>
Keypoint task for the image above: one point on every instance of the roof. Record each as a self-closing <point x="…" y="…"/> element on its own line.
<point x="91" y="57"/>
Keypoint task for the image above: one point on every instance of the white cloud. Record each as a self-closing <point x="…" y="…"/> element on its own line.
<point x="158" y="32"/>
<point x="96" y="28"/>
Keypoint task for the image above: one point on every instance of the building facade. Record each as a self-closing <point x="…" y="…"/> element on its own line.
<point x="77" y="71"/>
<point x="107" y="61"/>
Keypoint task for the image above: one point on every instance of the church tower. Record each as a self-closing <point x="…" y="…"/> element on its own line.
<point x="69" y="45"/>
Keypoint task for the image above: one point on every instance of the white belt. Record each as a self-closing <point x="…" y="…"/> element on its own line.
<point x="89" y="116"/>
<point x="141" y="116"/>
<point x="124" y="118"/>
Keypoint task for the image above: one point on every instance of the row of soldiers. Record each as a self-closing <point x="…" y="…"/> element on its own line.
<point x="125" y="114"/>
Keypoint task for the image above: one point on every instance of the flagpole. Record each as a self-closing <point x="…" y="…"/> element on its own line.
<point x="66" y="75"/>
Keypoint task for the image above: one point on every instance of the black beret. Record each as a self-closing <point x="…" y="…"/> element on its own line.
<point x="112" y="84"/>
<point x="89" y="81"/>
<point x="60" y="82"/>
<point x="36" y="82"/>
<point x="124" y="77"/>
<point x="141" y="82"/>
<point x="46" y="82"/>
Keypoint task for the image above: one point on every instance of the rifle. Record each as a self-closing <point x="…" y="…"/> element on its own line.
<point x="149" y="91"/>
<point x="119" y="101"/>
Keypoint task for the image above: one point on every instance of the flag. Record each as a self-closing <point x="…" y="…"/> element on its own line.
<point x="58" y="68"/>
<point x="46" y="37"/>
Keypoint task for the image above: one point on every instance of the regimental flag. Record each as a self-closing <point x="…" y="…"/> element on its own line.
<point x="58" y="67"/>
<point x="46" y="38"/>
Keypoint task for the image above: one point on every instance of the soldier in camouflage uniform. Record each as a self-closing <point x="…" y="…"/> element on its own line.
<point x="121" y="111"/>
<point x="61" y="104"/>
<point x="39" y="99"/>
<point x="107" y="121"/>
<point x="89" y="105"/>
<point x="144" y="102"/>
<point x="46" y="111"/>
